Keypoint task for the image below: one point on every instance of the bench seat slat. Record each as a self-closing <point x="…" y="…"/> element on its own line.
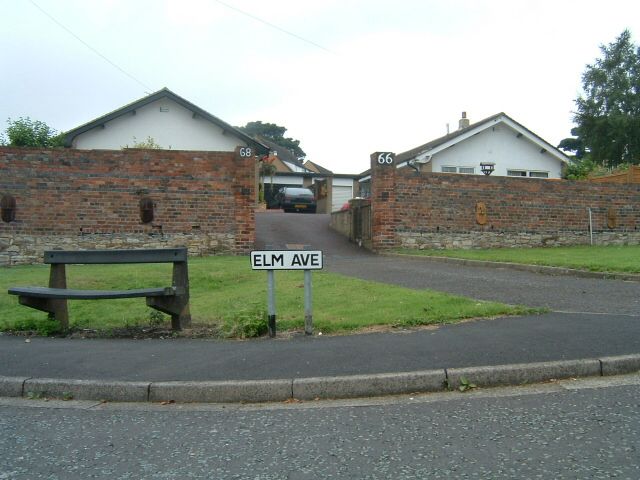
<point x="158" y="255"/>
<point x="45" y="292"/>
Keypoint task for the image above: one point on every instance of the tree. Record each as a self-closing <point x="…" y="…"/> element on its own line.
<point x="580" y="165"/>
<point x="579" y="169"/>
<point x="25" y="132"/>
<point x="574" y="146"/>
<point x="275" y="133"/>
<point x="266" y="170"/>
<point x="608" y="114"/>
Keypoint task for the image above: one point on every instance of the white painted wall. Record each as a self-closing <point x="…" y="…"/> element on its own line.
<point x="174" y="129"/>
<point x="498" y="144"/>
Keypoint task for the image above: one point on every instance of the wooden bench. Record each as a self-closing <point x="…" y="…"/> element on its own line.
<point x="173" y="300"/>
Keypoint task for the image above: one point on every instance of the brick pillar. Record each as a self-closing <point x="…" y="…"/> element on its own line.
<point x="245" y="198"/>
<point x="383" y="200"/>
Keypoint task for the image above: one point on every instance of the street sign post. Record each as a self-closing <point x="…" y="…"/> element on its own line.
<point x="271" y="260"/>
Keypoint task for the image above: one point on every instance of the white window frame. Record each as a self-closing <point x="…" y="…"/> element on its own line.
<point x="527" y="173"/>
<point x="538" y="174"/>
<point x="452" y="169"/>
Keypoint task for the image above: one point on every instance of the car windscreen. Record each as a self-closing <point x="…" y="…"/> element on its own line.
<point x="299" y="192"/>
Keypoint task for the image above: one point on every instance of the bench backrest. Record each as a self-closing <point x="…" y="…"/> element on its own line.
<point x="157" y="255"/>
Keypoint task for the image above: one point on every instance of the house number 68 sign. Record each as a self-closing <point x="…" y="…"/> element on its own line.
<point x="385" y="158"/>
<point x="245" y="152"/>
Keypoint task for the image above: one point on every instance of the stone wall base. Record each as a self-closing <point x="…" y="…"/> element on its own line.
<point x="469" y="240"/>
<point x="29" y="249"/>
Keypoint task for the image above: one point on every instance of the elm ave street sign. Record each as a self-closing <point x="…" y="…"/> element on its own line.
<point x="271" y="260"/>
<point x="286" y="260"/>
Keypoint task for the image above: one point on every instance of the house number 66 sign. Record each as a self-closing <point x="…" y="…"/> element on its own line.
<point x="385" y="158"/>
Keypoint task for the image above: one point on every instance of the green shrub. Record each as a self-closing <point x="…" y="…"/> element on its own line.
<point x="44" y="326"/>
<point x="246" y="323"/>
<point x="156" y="318"/>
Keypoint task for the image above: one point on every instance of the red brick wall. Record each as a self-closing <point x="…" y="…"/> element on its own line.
<point x="439" y="210"/>
<point x="447" y="202"/>
<point x="205" y="195"/>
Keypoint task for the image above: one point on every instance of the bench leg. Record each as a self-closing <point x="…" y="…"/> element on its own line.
<point x="177" y="307"/>
<point x="61" y="313"/>
<point x="182" y="319"/>
<point x="56" y="308"/>
<point x="58" y="279"/>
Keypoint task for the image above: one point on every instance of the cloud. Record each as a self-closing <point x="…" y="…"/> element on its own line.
<point x="194" y="13"/>
<point x="397" y="74"/>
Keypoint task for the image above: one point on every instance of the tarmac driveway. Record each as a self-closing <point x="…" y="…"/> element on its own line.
<point x="559" y="293"/>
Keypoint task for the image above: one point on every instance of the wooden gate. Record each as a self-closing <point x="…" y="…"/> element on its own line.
<point x="361" y="222"/>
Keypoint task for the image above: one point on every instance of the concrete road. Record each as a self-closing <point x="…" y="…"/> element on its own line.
<point x="566" y="430"/>
<point x="559" y="293"/>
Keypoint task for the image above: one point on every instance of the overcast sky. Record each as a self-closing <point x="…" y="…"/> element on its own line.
<point x="346" y="77"/>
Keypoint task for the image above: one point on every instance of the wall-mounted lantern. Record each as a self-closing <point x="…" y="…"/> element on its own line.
<point x="487" y="167"/>
<point x="8" y="208"/>
<point x="146" y="210"/>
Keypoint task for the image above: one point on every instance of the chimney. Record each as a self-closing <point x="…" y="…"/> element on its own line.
<point x="463" y="122"/>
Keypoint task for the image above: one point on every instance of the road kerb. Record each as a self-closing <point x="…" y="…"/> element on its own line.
<point x="252" y="391"/>
<point x="12" y="386"/>
<point x="368" y="385"/>
<point x="112" y="391"/>
<point x="620" y="364"/>
<point x="256" y="391"/>
<point x="520" y="374"/>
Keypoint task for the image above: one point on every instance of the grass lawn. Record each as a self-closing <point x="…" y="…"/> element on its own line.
<point x="229" y="297"/>
<point x="625" y="259"/>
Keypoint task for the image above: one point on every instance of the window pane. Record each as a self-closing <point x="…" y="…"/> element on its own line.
<point x="516" y="173"/>
<point x="467" y="170"/>
<point x="539" y="174"/>
<point x="449" y="170"/>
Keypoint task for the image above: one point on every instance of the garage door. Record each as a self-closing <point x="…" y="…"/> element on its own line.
<point x="341" y="195"/>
